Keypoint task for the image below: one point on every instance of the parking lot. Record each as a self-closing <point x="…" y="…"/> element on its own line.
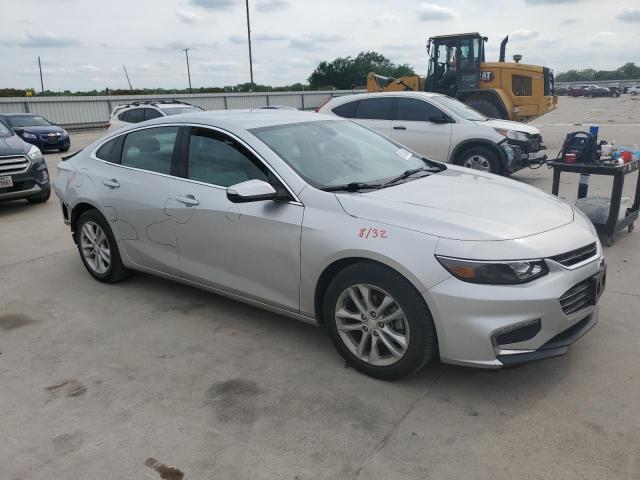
<point x="152" y="379"/>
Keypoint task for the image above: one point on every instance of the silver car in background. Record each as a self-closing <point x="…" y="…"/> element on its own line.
<point x="400" y="258"/>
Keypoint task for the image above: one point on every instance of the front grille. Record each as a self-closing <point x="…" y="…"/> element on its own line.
<point x="576" y="256"/>
<point x="14" y="164"/>
<point x="577" y="297"/>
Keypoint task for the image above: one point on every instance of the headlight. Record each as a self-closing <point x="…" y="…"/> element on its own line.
<point x="494" y="273"/>
<point x="513" y="134"/>
<point x="29" y="135"/>
<point x="34" y="153"/>
<point x="65" y="134"/>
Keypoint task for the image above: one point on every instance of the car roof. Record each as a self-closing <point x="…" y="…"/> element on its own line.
<point x="411" y="93"/>
<point x="244" y="119"/>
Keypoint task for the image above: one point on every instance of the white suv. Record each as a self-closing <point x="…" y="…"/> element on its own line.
<point x="444" y="129"/>
<point x="635" y="90"/>
<point x="136" y="112"/>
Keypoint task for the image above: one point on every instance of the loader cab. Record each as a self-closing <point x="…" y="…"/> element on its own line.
<point x="454" y="63"/>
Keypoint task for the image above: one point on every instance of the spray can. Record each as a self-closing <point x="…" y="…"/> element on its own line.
<point x="593" y="130"/>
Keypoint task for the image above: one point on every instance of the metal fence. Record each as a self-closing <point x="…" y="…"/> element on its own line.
<point x="90" y="112"/>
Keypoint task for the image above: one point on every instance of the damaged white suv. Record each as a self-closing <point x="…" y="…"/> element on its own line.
<point x="442" y="128"/>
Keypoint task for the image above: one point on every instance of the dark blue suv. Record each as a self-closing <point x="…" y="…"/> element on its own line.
<point x="38" y="131"/>
<point x="23" y="171"/>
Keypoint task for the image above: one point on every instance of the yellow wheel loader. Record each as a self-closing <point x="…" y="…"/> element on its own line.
<point x="457" y="67"/>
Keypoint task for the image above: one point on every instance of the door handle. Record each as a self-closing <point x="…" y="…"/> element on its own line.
<point x="113" y="183"/>
<point x="188" y="200"/>
<point x="400" y="127"/>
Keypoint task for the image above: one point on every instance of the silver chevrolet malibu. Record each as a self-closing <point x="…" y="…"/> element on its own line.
<point x="399" y="257"/>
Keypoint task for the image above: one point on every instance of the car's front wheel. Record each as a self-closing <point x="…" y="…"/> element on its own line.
<point x="98" y="248"/>
<point x="378" y="321"/>
<point x="479" y="158"/>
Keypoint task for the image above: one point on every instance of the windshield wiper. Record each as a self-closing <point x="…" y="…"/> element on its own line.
<point x="408" y="173"/>
<point x="352" y="187"/>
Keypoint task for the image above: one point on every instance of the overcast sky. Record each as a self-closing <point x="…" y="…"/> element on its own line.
<point x="84" y="43"/>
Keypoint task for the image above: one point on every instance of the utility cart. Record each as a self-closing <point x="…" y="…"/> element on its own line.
<point x="618" y="172"/>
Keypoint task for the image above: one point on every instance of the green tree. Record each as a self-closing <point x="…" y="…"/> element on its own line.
<point x="347" y="72"/>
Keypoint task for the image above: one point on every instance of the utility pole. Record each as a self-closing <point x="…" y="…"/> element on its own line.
<point x="41" y="82"/>
<point x="249" y="37"/>
<point x="186" y="54"/>
<point x="127" y="75"/>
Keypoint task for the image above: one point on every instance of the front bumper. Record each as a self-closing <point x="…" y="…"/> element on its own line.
<point x="523" y="154"/>
<point x="27" y="184"/>
<point x="469" y="316"/>
<point x="43" y="142"/>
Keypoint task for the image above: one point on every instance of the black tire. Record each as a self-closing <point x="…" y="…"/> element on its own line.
<point x="42" y="197"/>
<point x="633" y="94"/>
<point x="483" y="152"/>
<point x="486" y="108"/>
<point x="65" y="149"/>
<point x="422" y="344"/>
<point x="116" y="270"/>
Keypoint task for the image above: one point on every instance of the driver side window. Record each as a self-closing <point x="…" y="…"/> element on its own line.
<point x="219" y="160"/>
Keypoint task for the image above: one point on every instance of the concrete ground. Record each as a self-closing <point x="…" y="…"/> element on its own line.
<point x="150" y="379"/>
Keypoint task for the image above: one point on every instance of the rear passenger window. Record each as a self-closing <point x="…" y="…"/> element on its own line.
<point x="410" y="109"/>
<point x="135" y="116"/>
<point x="219" y="160"/>
<point x="150" y="149"/>
<point x="110" y="151"/>
<point x="150" y="113"/>
<point x="346" y="110"/>
<point x="123" y="116"/>
<point x="375" y="108"/>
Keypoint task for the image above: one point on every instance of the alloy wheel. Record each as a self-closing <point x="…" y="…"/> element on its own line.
<point x="478" y="162"/>
<point x="95" y="247"/>
<point x="372" y="325"/>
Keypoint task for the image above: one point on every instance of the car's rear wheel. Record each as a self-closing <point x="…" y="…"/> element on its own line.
<point x="479" y="158"/>
<point x="486" y="108"/>
<point x="378" y="321"/>
<point x="98" y="248"/>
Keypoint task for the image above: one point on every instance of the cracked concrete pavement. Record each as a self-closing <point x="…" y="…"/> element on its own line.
<point x="150" y="379"/>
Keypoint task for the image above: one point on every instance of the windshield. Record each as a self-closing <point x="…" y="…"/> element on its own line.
<point x="4" y="130"/>
<point x="332" y="153"/>
<point x="459" y="108"/>
<point x="27" y="121"/>
<point x="179" y="110"/>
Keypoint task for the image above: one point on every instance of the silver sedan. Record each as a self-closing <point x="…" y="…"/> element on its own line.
<point x="400" y="258"/>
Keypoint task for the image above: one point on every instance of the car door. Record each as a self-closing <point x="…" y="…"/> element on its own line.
<point x="250" y="249"/>
<point x="422" y="127"/>
<point x="375" y="113"/>
<point x="135" y="188"/>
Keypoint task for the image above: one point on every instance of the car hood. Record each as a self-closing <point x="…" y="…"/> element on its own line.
<point x="509" y="125"/>
<point x="13" y="145"/>
<point x="43" y="129"/>
<point x="461" y="204"/>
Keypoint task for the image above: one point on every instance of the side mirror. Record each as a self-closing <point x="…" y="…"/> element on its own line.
<point x="18" y="131"/>
<point x="435" y="118"/>
<point x="251" y="191"/>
